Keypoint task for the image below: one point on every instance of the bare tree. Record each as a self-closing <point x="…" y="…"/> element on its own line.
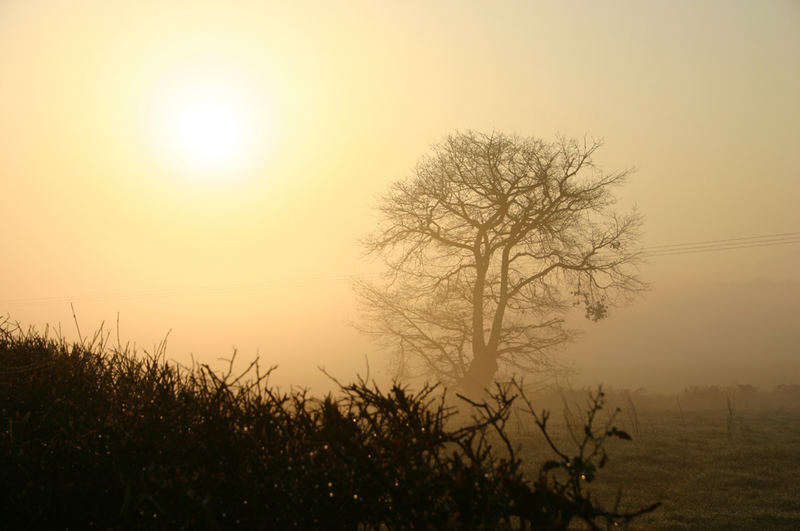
<point x="487" y="246"/>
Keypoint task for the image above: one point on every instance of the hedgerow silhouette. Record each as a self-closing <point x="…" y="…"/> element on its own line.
<point x="95" y="437"/>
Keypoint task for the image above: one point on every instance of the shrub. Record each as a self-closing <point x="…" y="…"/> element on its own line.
<point x="98" y="437"/>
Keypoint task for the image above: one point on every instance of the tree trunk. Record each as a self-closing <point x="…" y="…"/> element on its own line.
<point x="480" y="375"/>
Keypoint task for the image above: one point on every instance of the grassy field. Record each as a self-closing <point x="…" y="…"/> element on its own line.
<point x="710" y="468"/>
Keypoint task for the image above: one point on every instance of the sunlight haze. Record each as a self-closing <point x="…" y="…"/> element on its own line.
<point x="207" y="169"/>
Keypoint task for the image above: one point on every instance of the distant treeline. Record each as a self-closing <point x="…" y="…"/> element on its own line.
<point x="697" y="397"/>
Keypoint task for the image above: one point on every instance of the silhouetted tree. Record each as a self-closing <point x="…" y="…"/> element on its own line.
<point x="487" y="245"/>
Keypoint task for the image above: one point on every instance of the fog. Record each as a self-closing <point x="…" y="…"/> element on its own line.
<point x="701" y="99"/>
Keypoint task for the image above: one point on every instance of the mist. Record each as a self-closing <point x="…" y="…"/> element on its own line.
<point x="700" y="100"/>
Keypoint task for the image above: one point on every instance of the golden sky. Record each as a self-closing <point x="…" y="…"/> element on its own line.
<point x="114" y="197"/>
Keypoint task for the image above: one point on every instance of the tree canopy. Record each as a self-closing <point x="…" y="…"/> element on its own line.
<point x="486" y="246"/>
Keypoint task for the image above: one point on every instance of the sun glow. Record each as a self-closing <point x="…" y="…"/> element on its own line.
<point x="209" y="130"/>
<point x="207" y="133"/>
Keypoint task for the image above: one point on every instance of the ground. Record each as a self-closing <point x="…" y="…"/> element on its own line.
<point x="711" y="468"/>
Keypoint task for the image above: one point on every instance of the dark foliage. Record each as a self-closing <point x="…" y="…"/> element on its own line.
<point x="93" y="437"/>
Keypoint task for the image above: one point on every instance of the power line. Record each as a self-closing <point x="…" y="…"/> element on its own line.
<point x="672" y="249"/>
<point x="742" y="238"/>
<point x="776" y="236"/>
<point x="206" y="290"/>
<point x="747" y="242"/>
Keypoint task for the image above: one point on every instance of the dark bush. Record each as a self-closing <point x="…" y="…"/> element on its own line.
<point x="99" y="438"/>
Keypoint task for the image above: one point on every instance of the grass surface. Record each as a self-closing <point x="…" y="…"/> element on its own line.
<point x="707" y="475"/>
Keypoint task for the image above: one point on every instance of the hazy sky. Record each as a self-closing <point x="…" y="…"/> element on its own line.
<point x="326" y="103"/>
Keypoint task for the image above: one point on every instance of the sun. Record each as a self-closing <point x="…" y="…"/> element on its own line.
<point x="208" y="130"/>
<point x="205" y="132"/>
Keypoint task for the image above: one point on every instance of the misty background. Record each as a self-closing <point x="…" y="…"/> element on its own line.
<point x="700" y="98"/>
